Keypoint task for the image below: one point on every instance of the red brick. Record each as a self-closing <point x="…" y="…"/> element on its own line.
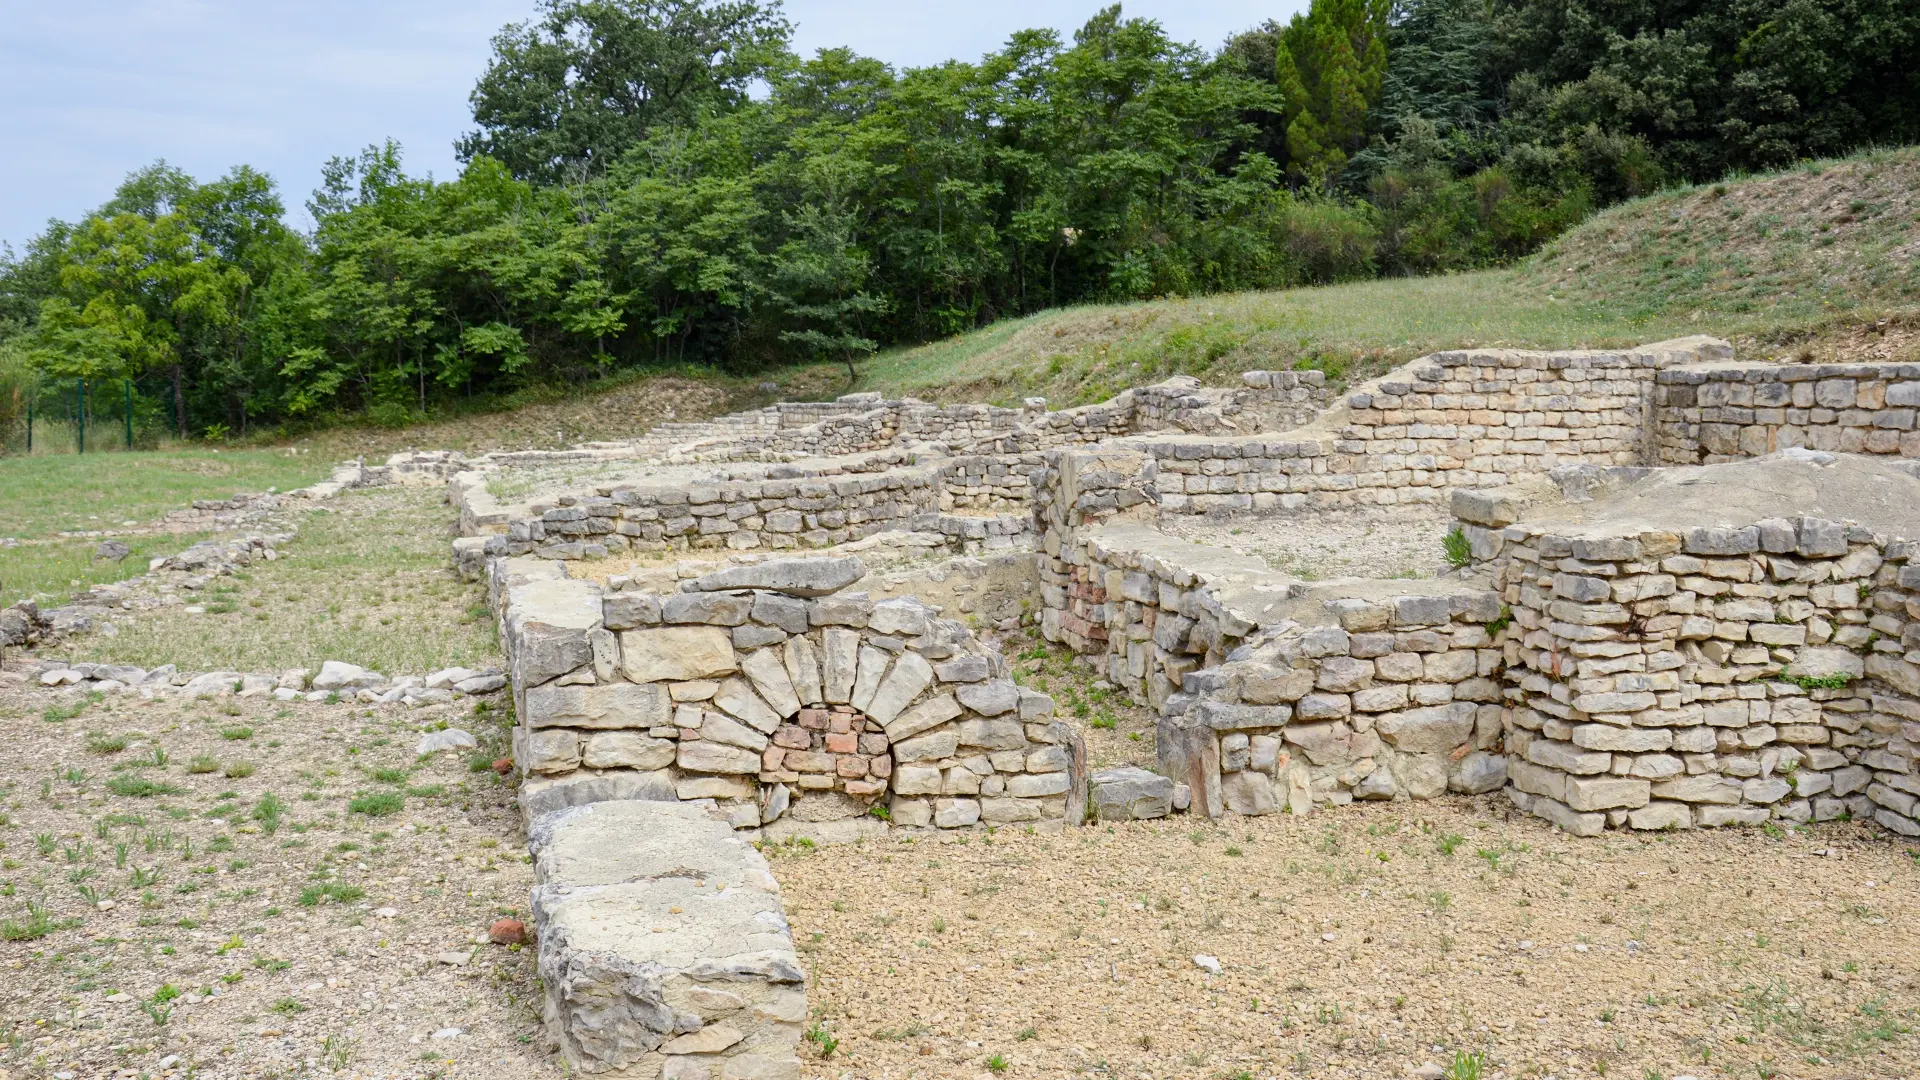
<point x="873" y="744"/>
<point x="851" y="765"/>
<point x="772" y="758"/>
<point x="863" y="788"/>
<point x="843" y="743"/>
<point x="881" y="766"/>
<point x="793" y="738"/>
<point x="814" y="719"/>
<point x="839" y="724"/>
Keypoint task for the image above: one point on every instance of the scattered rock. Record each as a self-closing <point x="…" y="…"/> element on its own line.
<point x="1208" y="964"/>
<point x="111" y="550"/>
<point x="451" y="739"/>
<point x="508" y="932"/>
<point x="795" y="577"/>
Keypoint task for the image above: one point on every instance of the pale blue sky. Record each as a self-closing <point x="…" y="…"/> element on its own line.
<point x="91" y="89"/>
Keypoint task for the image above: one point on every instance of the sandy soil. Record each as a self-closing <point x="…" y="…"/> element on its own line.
<point x="1355" y="945"/>
<point x="321" y="933"/>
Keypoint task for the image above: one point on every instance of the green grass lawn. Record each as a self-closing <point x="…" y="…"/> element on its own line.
<point x="46" y="495"/>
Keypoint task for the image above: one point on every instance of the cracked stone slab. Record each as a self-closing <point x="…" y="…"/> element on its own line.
<point x="663" y="941"/>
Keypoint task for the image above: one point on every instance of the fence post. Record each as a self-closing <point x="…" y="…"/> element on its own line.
<point x="127" y="384"/>
<point x="31" y="394"/>
<point x="80" y="401"/>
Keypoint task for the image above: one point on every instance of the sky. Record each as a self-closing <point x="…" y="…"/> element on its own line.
<point x="92" y="89"/>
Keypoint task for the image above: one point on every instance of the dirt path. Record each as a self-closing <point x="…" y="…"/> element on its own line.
<point x="1363" y="943"/>
<point x="259" y="924"/>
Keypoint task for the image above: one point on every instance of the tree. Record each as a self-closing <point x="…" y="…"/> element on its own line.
<point x="1330" y="64"/>
<point x="591" y="78"/>
<point x="818" y="280"/>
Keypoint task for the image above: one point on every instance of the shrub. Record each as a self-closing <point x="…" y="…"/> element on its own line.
<point x="1459" y="552"/>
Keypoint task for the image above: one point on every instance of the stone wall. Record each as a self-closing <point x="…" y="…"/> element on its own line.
<point x="1713" y="676"/>
<point x="1395" y="696"/>
<point x="790" y="701"/>
<point x="1723" y="412"/>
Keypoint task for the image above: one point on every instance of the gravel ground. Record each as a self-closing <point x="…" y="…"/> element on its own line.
<point x="320" y="929"/>
<point x="1362" y="943"/>
<point x="1402" y="543"/>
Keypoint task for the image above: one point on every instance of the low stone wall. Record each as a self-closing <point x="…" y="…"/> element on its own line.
<point x="793" y="703"/>
<point x="1396" y="696"/>
<point x="664" y="951"/>
<point x="1723" y="412"/>
<point x="1710" y="677"/>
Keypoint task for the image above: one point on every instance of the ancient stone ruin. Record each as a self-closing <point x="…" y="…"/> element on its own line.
<point x="1677" y="592"/>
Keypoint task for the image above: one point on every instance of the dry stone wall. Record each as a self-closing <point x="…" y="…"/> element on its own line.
<point x="790" y="701"/>
<point x="1394" y="697"/>
<point x="1723" y="412"/>
<point x="1716" y="676"/>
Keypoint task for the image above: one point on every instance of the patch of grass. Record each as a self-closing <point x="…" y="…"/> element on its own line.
<point x="238" y="770"/>
<point x="1458" y="551"/>
<point x="38" y="924"/>
<point x="107" y="744"/>
<point x="338" y="892"/>
<point x="377" y="804"/>
<point x="140" y="787"/>
<point x="235" y="734"/>
<point x="267" y="812"/>
<point x="203" y="764"/>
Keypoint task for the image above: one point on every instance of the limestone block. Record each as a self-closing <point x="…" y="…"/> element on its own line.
<point x="955" y="813"/>
<point x="1421" y="776"/>
<point x="1606" y="792"/>
<point x="1662" y="815"/>
<point x="555" y="750"/>
<point x="545" y="794"/>
<point x="700" y="755"/>
<point x="911" y="674"/>
<point x="924" y="716"/>
<point x="628" y="610"/>
<point x="713" y="609"/>
<point x="1129" y="792"/>
<point x="546" y="628"/>
<point x="628" y="940"/>
<point x="1434" y="729"/>
<point x="990" y="698"/>
<point x="932" y="746"/>
<point x="676" y="653"/>
<point x="1621" y="739"/>
<point x="794" y="577"/>
<point x="866" y="681"/>
<point x="1477" y="773"/>
<point x="1568" y="819"/>
<point x="613" y="706"/>
<point x="737" y="698"/>
<point x="1248" y="793"/>
<point x="842" y="660"/>
<point x="767" y="669"/>
<point x="1704" y="788"/>
<point x="803" y="670"/>
<point x="721" y="728"/>
<point x="911" y="779"/>
<point x="627" y="750"/>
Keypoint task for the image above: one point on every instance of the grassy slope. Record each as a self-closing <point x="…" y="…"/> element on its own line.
<point x="1768" y="261"/>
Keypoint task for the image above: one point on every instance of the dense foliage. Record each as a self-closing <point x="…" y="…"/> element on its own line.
<point x="659" y="181"/>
